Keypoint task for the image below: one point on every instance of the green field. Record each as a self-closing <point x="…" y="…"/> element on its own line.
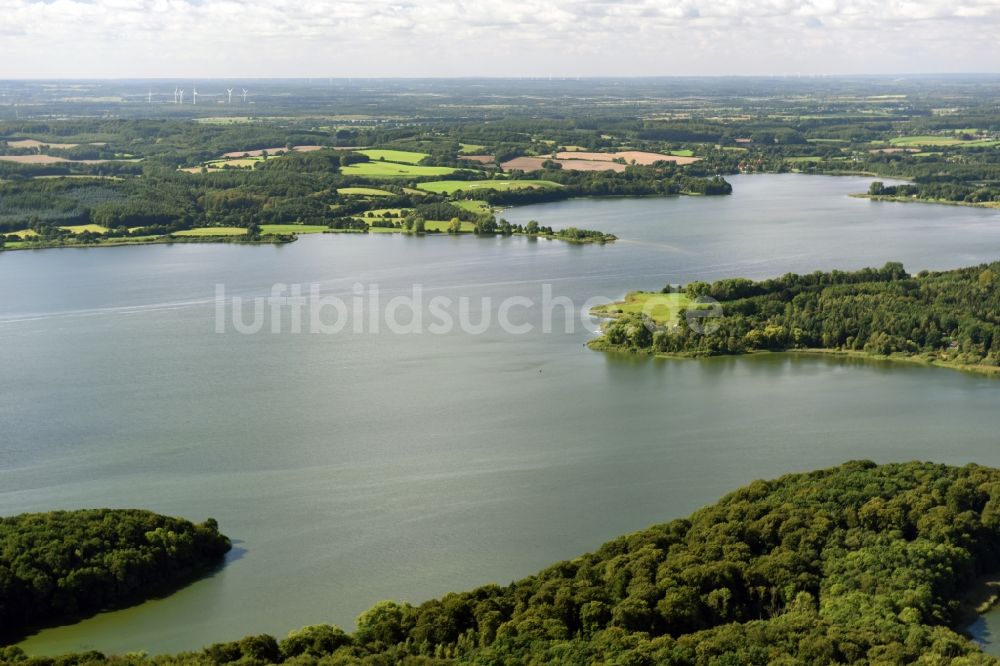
<point x="23" y="233"/>
<point x="363" y="192"/>
<point x="236" y="162"/>
<point x="661" y="308"/>
<point x="936" y="140"/>
<point x="212" y="231"/>
<point x="925" y="140"/>
<point x="80" y="228"/>
<point x="442" y="226"/>
<point x="473" y="206"/>
<point x="449" y="186"/>
<point x="264" y="228"/>
<point x="392" y="213"/>
<point x="681" y="153"/>
<point x="402" y="156"/>
<point x="393" y="170"/>
<point x="292" y="228"/>
<point x="804" y="158"/>
<point x="433" y="226"/>
<point x="470" y="149"/>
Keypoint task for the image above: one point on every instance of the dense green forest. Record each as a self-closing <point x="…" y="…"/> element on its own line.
<point x="60" y="566"/>
<point x="948" y="316"/>
<point x="858" y="564"/>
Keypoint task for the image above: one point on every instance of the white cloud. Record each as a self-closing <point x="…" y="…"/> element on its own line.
<point x="136" y="38"/>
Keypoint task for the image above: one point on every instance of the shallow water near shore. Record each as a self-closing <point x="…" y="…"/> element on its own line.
<point x="356" y="467"/>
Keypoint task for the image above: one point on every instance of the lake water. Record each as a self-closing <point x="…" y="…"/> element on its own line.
<point x="356" y="467"/>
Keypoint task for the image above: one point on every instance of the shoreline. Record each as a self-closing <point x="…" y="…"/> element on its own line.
<point x="981" y="597"/>
<point x="164" y="240"/>
<point x="597" y="344"/>
<point x="942" y="202"/>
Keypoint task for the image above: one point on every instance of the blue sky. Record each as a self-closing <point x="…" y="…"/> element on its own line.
<point x="262" y="38"/>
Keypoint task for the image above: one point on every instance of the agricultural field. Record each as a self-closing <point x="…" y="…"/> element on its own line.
<point x="23" y="233"/>
<point x="293" y="228"/>
<point x="383" y="212"/>
<point x="270" y="151"/>
<point x="630" y="156"/>
<point x="80" y="228"/>
<point x="212" y="231"/>
<point x="394" y="170"/>
<point x="45" y="159"/>
<point x="363" y="192"/>
<point x="36" y="144"/>
<point x="470" y="148"/>
<point x="580" y="160"/>
<point x="451" y="186"/>
<point x="479" y="159"/>
<point x="940" y="140"/>
<point x="234" y="163"/>
<point x="386" y="155"/>
<point x="442" y="226"/>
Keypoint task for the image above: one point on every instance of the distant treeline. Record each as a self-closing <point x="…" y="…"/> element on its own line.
<point x="947" y="191"/>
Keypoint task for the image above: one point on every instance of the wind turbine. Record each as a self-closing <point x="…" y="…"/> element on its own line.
<point x="182" y="95"/>
<point x="194" y="95"/>
<point x="230" y="91"/>
<point x="149" y="97"/>
<point x="176" y="91"/>
<point x="244" y="95"/>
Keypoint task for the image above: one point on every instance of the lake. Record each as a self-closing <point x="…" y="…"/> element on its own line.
<point x="360" y="466"/>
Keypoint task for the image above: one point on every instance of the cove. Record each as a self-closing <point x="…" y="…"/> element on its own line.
<point x="350" y="468"/>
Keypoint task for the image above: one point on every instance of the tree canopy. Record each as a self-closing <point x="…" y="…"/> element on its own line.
<point x="949" y="316"/>
<point x="859" y="564"/>
<point x="64" y="565"/>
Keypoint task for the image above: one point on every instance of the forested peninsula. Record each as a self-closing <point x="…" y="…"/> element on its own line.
<point x="65" y="565"/>
<point x="947" y="317"/>
<point x="859" y="564"/>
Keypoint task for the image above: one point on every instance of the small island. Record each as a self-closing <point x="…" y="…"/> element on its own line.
<point x="944" y="318"/>
<point x="63" y="566"/>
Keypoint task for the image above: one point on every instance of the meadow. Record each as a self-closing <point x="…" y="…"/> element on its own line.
<point x="394" y="170"/>
<point x="473" y="206"/>
<point x="363" y="192"/>
<point x="212" y="231"/>
<point x="386" y="155"/>
<point x="661" y="308"/>
<point x="938" y="140"/>
<point x="80" y="228"/>
<point x="268" y="229"/>
<point x="450" y="186"/>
